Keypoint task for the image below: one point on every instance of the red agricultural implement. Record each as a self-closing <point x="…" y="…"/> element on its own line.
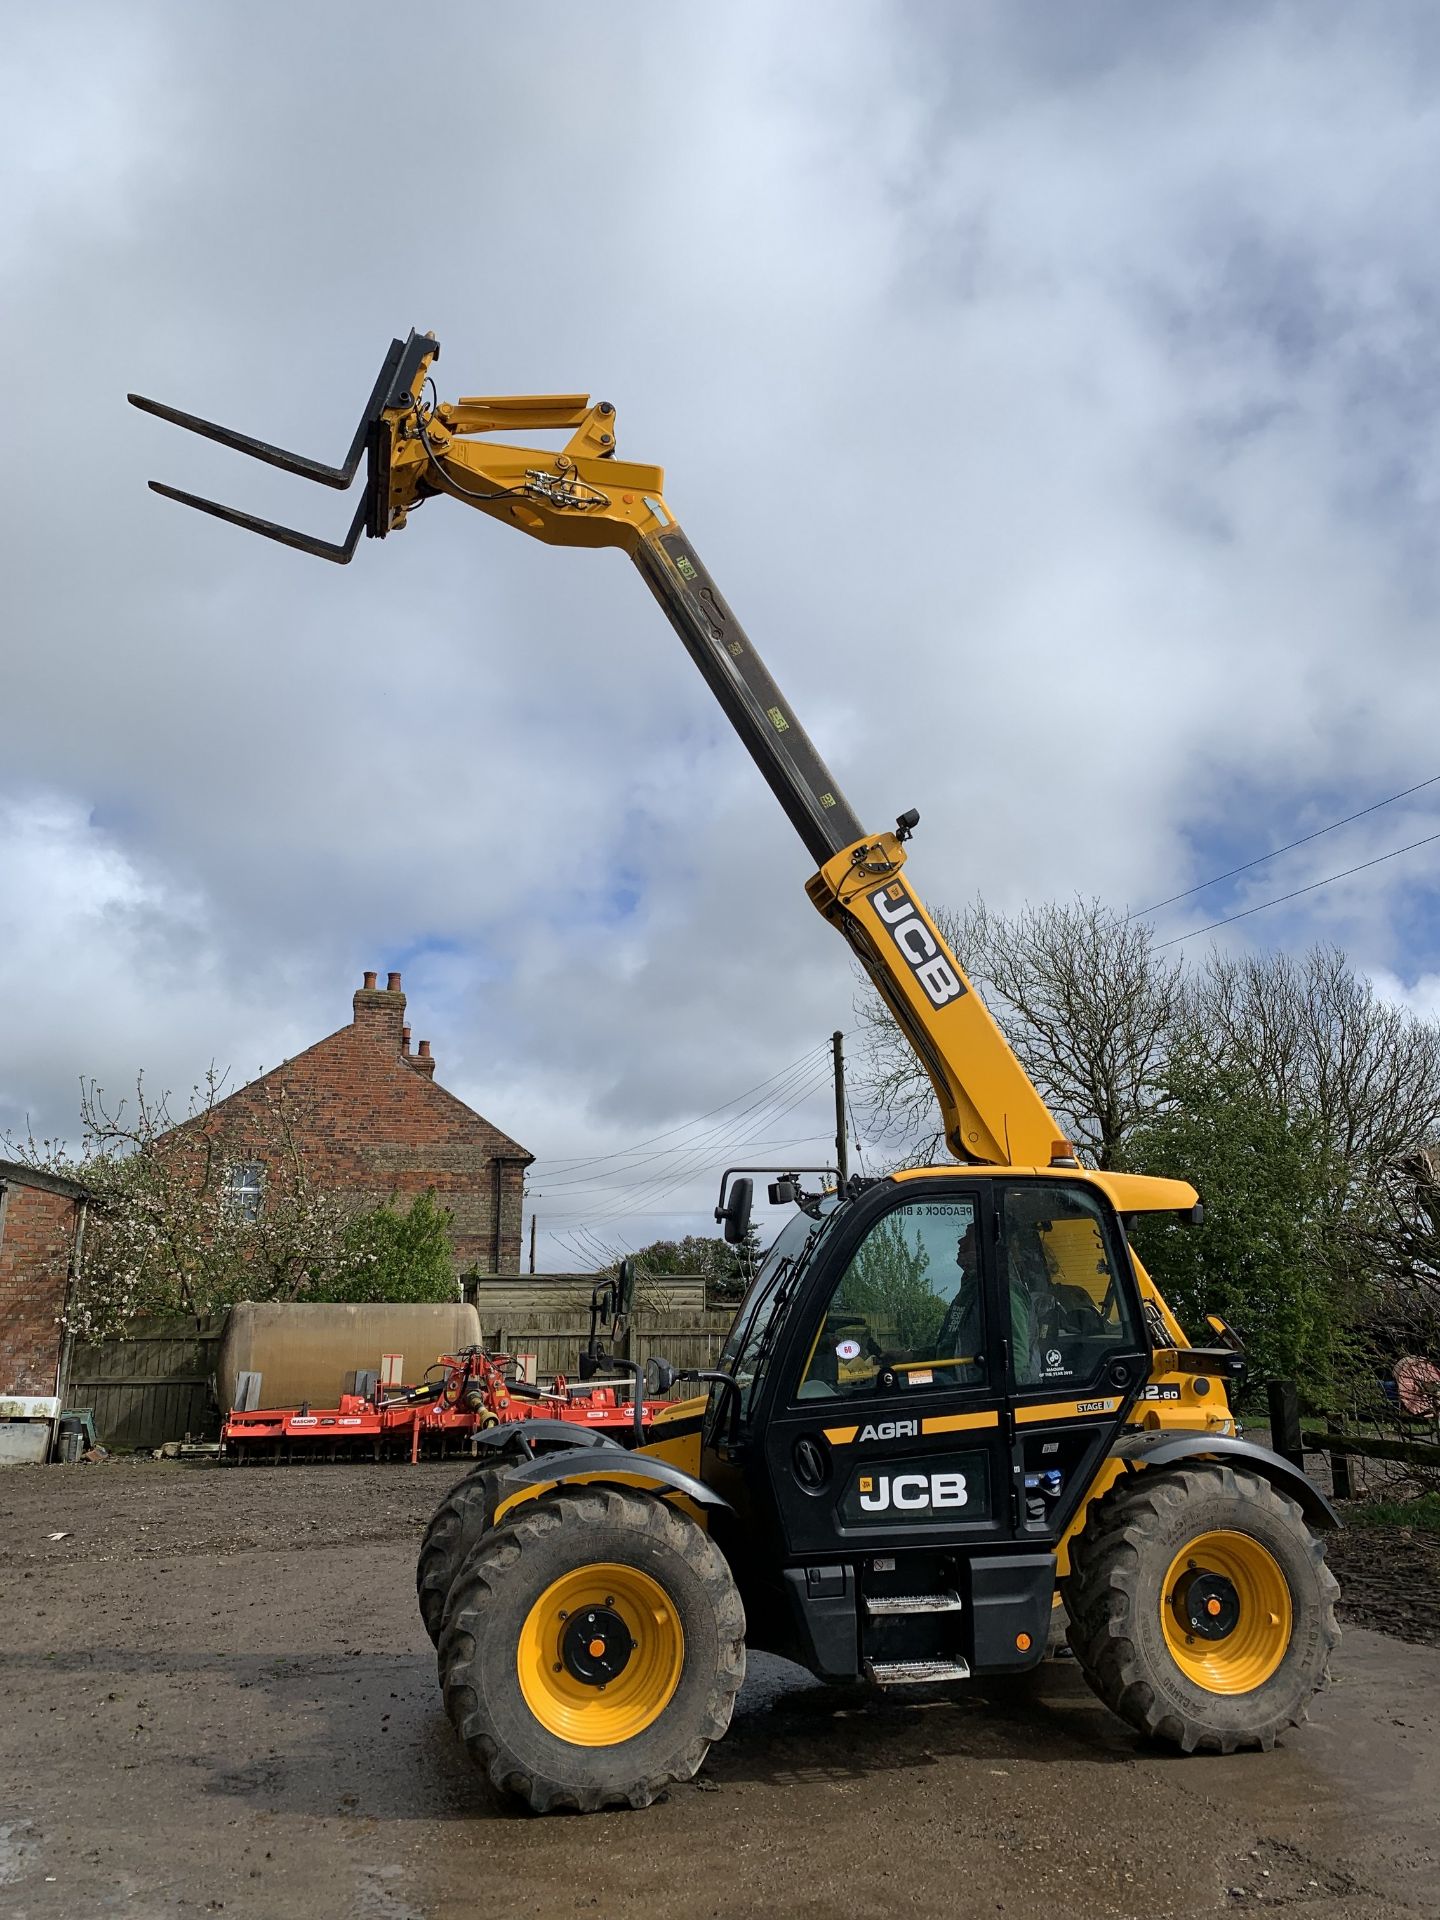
<point x="462" y="1396"/>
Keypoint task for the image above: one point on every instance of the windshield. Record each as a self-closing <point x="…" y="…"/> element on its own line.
<point x="748" y="1345"/>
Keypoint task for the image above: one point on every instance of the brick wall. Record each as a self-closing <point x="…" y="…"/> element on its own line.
<point x="37" y="1235"/>
<point x="371" y="1122"/>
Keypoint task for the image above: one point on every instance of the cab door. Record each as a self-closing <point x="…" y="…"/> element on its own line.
<point x="886" y="1420"/>
<point x="1077" y="1352"/>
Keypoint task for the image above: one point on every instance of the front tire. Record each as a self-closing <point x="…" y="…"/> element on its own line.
<point x="592" y="1650"/>
<point x="1201" y="1609"/>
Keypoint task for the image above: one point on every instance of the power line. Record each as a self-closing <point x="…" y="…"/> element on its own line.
<point x="1304" y="840"/>
<point x="608" y="1195"/>
<point x="660" y="1186"/>
<point x="756" y="1118"/>
<point x="790" y="1076"/>
<point x="568" y="1166"/>
<point x="621" y="1153"/>
<point x="1313" y="887"/>
<point x="855" y="1135"/>
<point x="771" y="1143"/>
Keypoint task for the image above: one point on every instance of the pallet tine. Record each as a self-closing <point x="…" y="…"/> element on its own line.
<point x="340" y="551"/>
<point x="297" y="463"/>
<point x="393" y="388"/>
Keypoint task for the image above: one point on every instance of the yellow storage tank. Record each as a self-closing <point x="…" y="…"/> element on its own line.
<point x="304" y="1352"/>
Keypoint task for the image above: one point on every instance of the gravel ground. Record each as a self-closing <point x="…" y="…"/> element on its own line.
<point x="1389" y="1579"/>
<point x="216" y="1696"/>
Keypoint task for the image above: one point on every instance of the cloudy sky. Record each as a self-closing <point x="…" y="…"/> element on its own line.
<point x="1052" y="390"/>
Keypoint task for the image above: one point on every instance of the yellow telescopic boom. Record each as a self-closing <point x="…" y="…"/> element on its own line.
<point x="416" y="446"/>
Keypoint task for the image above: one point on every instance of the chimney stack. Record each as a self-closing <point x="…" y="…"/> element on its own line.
<point x="423" y="1063"/>
<point x="392" y="983"/>
<point x="380" y="1013"/>
<point x="405" y="1040"/>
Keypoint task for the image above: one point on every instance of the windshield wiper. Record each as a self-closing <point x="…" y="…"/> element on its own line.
<point x="784" y="1275"/>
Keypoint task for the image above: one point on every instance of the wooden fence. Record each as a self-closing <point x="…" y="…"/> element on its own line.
<point x="1345" y="1440"/>
<point x="513" y="1298"/>
<point x="685" y="1340"/>
<point x="154" y="1385"/>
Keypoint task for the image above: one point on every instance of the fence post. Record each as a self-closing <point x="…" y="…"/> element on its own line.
<point x="1339" y="1466"/>
<point x="1285" y="1435"/>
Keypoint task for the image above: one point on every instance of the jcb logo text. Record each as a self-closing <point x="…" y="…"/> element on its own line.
<point x="911" y="1492"/>
<point x="925" y="956"/>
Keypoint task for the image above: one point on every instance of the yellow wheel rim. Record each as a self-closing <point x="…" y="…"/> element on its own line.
<point x="600" y="1655"/>
<point x="1225" y="1608"/>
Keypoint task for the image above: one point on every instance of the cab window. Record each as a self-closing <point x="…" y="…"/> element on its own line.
<point x="754" y="1327"/>
<point x="908" y="1312"/>
<point x="1067" y="1309"/>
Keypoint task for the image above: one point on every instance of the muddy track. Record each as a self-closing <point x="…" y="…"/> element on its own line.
<point x="216" y="1696"/>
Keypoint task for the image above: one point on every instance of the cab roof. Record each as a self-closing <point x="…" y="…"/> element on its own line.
<point x="1127" y="1192"/>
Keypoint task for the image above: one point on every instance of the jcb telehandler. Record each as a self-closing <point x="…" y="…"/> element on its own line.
<point x="951" y="1400"/>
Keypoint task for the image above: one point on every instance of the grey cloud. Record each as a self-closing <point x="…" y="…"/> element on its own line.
<point x="1052" y="391"/>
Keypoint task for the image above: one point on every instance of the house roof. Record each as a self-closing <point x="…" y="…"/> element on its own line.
<point x="379" y="1014"/>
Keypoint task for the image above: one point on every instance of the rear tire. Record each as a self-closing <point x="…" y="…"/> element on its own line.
<point x="458" y="1523"/>
<point x="1201" y="1609"/>
<point x="524" y="1693"/>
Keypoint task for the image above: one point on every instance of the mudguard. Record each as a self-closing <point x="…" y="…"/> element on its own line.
<point x="550" y="1435"/>
<point x="1164" y="1449"/>
<point x="607" y="1466"/>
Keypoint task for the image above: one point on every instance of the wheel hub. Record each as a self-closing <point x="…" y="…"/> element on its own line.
<point x="596" y="1646"/>
<point x="1226" y="1611"/>
<point x="600" y="1654"/>
<point x="1206" y="1604"/>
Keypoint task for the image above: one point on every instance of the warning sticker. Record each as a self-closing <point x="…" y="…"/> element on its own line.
<point x="847" y="1350"/>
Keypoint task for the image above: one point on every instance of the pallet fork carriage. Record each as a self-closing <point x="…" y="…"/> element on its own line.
<point x="952" y="1398"/>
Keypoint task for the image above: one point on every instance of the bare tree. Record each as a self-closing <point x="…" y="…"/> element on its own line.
<point x="1082" y="996"/>
<point x="1315" y="1036"/>
<point x="1392" y="1235"/>
<point x="1398" y="1240"/>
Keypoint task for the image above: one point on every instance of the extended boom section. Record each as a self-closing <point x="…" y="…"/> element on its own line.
<point x="418" y="447"/>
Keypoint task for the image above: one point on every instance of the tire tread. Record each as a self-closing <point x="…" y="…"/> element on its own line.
<point x="1100" y="1595"/>
<point x="475" y="1595"/>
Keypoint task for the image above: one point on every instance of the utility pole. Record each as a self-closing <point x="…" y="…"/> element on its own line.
<point x="842" y="1151"/>
<point x="533" y="1218"/>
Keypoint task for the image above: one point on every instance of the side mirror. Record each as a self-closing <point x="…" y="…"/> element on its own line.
<point x="734" y="1216"/>
<point x="1194" y="1216"/>
<point x="625" y="1290"/>
<point x="1227" y="1334"/>
<point x="784" y="1193"/>
<point x="729" y="1395"/>
<point x="659" y="1377"/>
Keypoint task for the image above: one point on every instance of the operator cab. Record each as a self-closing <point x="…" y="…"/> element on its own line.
<point x="922" y="1380"/>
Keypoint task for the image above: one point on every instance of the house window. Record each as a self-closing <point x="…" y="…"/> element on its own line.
<point x="244" y="1189"/>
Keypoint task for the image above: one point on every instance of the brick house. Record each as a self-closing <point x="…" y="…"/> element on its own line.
<point x="372" y="1124"/>
<point x="42" y="1224"/>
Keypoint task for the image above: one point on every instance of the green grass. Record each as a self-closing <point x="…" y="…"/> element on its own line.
<point x="1422" y="1512"/>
